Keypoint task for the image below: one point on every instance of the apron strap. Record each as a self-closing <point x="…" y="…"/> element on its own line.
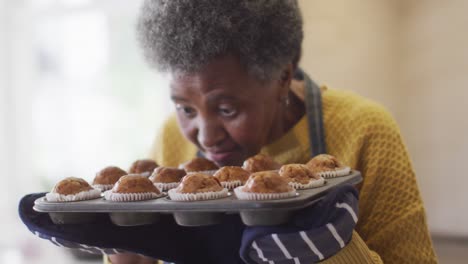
<point x="313" y="104"/>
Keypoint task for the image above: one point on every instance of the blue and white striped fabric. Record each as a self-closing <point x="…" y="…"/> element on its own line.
<point x="315" y="234"/>
<point x="163" y="240"/>
<point x="82" y="247"/>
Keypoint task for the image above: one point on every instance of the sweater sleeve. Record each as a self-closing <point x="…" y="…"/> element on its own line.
<point x="315" y="233"/>
<point x="356" y="251"/>
<point x="170" y="147"/>
<point x="392" y="225"/>
<point x="392" y="220"/>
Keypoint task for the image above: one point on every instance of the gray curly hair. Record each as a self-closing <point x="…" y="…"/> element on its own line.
<point x="184" y="35"/>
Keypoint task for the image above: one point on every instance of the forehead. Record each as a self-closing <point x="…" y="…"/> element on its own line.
<point x="225" y="73"/>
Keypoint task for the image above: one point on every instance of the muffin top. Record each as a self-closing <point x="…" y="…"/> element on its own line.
<point x="266" y="182"/>
<point x="260" y="162"/>
<point x="71" y="185"/>
<point x="134" y="183"/>
<point x="232" y="173"/>
<point x="109" y="175"/>
<point x="142" y="166"/>
<point x="167" y="175"/>
<point x="297" y="173"/>
<point x="323" y="162"/>
<point x="198" y="183"/>
<point x="198" y="164"/>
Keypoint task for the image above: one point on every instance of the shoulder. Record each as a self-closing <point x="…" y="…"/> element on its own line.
<point x="170" y="147"/>
<point x="357" y="128"/>
<point x="348" y="109"/>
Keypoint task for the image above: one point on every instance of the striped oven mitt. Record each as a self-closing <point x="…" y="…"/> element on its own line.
<point x="315" y="233"/>
<point x="164" y="240"/>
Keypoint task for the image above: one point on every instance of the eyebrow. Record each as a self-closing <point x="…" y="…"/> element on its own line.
<point x="177" y="98"/>
<point x="211" y="99"/>
<point x="219" y="97"/>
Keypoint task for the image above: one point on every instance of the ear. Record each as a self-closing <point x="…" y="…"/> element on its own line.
<point x="284" y="82"/>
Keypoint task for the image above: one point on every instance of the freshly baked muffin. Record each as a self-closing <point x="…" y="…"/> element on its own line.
<point x="327" y="166"/>
<point x="198" y="186"/>
<point x="166" y="178"/>
<point x="265" y="185"/>
<point x="132" y="187"/>
<point x="107" y="177"/>
<point x="266" y="182"/>
<point x="260" y="162"/>
<point x="300" y="176"/>
<point x="134" y="183"/>
<point x="232" y="176"/>
<point x="72" y="189"/>
<point x="143" y="166"/>
<point x="198" y="183"/>
<point x="198" y="164"/>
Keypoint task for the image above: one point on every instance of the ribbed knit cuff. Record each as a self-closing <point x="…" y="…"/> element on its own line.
<point x="356" y="252"/>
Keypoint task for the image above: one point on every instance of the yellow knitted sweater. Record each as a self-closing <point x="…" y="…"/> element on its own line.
<point x="392" y="224"/>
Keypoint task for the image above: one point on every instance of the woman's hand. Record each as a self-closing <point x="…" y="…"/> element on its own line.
<point x="314" y="234"/>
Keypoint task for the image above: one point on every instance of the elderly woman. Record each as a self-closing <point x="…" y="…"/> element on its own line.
<point x="238" y="91"/>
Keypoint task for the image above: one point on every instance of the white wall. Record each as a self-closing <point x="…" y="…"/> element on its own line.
<point x="412" y="56"/>
<point x="3" y="81"/>
<point x="435" y="77"/>
<point x="352" y="45"/>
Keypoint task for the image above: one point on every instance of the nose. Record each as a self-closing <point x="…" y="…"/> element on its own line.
<point x="210" y="133"/>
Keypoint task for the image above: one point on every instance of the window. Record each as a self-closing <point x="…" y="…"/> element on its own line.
<point x="75" y="96"/>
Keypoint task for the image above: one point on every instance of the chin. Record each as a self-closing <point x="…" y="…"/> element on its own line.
<point x="228" y="163"/>
<point x="231" y="161"/>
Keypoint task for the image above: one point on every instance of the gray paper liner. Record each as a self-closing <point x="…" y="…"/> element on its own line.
<point x="338" y="172"/>
<point x="242" y="195"/>
<point x="174" y="195"/>
<point x="313" y="183"/>
<point x="166" y="186"/>
<point x="130" y="197"/>
<point x="231" y="184"/>
<point x="103" y="187"/>
<point x="85" y="195"/>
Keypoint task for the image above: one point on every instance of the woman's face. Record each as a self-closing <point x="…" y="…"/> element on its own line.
<point x="226" y="113"/>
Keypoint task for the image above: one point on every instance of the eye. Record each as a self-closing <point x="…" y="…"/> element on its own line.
<point x="186" y="110"/>
<point x="227" y="110"/>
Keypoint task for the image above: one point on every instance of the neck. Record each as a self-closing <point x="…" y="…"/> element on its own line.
<point x="294" y="112"/>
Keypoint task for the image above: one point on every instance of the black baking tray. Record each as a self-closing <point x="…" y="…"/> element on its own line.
<point x="195" y="213"/>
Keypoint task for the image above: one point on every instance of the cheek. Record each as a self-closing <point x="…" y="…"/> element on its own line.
<point x="250" y="131"/>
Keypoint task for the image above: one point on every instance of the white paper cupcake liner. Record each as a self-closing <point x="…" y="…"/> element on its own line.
<point x="130" y="197"/>
<point x="338" y="172"/>
<point x="242" y="195"/>
<point x="103" y="187"/>
<point x="145" y="174"/>
<point x="166" y="186"/>
<point x="85" y="195"/>
<point x="197" y="196"/>
<point x="313" y="183"/>
<point x="231" y="184"/>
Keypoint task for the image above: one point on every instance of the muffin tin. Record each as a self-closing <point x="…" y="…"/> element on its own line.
<point x="197" y="213"/>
